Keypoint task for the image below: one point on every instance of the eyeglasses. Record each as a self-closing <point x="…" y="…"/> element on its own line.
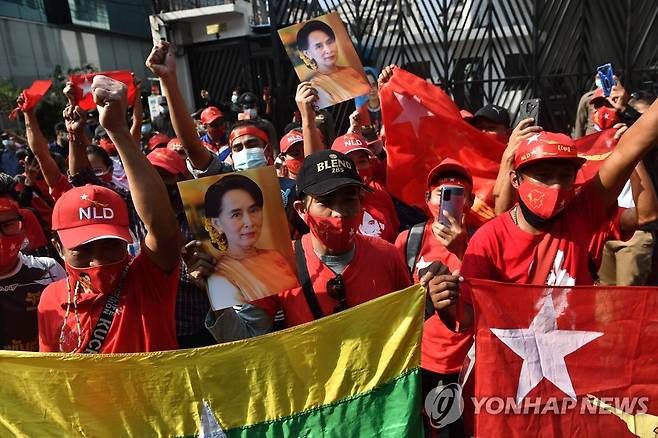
<point x="336" y="290"/>
<point x="12" y="227"/>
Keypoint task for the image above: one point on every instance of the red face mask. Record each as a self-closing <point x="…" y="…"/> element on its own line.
<point x="294" y="164"/>
<point x="336" y="233"/>
<point x="102" y="279"/>
<point x="605" y="117"/>
<point x="366" y="173"/>
<point x="9" y="248"/>
<point x="545" y="202"/>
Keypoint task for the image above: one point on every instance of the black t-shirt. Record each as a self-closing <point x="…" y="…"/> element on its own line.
<point x="20" y="292"/>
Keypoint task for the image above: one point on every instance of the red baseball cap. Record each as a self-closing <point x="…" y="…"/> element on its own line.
<point x="350" y="142"/>
<point x="175" y="144"/>
<point x="546" y="146"/>
<point x="598" y="95"/>
<point x="291" y="138"/>
<point x="157" y="140"/>
<point x="448" y="165"/>
<point x="88" y="213"/>
<point x="8" y="204"/>
<point x="211" y="114"/>
<point x="169" y="160"/>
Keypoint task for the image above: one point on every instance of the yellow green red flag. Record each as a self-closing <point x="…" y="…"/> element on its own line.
<point x="350" y="374"/>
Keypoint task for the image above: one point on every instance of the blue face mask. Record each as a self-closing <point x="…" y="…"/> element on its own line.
<point x="249" y="159"/>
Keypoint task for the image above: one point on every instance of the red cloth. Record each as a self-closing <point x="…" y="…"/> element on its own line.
<point x="82" y="86"/>
<point x="596" y="148"/>
<point x="442" y="351"/>
<point x="375" y="270"/>
<point x="379" y="216"/>
<point x="144" y="321"/>
<point x="424" y="126"/>
<point x="62" y="186"/>
<point x="501" y="251"/>
<point x="612" y="358"/>
<point x="32" y="96"/>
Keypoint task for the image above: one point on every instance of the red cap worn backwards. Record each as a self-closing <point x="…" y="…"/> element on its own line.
<point x="448" y="165"/>
<point x="211" y="114"/>
<point x="546" y="146"/>
<point x="85" y="214"/>
<point x="350" y="142"/>
<point x="290" y="139"/>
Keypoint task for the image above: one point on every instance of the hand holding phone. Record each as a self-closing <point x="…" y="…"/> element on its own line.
<point x="530" y="108"/>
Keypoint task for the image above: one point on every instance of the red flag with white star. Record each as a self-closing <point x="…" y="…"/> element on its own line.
<point x="32" y="96"/>
<point x="596" y="148"/>
<point x="82" y="86"/>
<point x="424" y="126"/>
<point x="565" y="361"/>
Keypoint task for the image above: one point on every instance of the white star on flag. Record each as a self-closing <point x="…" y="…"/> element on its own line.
<point x="412" y="111"/>
<point x="85" y="87"/>
<point x="84" y="197"/>
<point x="422" y="264"/>
<point x="533" y="138"/>
<point x="543" y="348"/>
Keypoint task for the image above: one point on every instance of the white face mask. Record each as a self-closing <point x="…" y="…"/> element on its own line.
<point x="234" y="98"/>
<point x="7" y="143"/>
<point x="249" y="159"/>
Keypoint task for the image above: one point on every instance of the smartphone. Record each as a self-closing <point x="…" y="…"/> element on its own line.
<point x="530" y="108"/>
<point x="452" y="201"/>
<point x="606" y="74"/>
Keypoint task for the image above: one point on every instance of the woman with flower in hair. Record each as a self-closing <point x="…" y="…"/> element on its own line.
<point x="234" y="220"/>
<point x="316" y="42"/>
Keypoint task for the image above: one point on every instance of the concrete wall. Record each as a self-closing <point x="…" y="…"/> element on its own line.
<point x="31" y="50"/>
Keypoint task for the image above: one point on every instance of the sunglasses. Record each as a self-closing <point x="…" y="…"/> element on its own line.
<point x="336" y="290"/>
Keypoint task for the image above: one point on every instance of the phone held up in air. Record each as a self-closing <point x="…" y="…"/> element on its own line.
<point x="606" y="76"/>
<point x="452" y="201"/>
<point x="530" y="108"/>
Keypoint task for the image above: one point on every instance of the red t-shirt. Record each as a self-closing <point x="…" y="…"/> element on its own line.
<point x="144" y="321"/>
<point x="63" y="185"/>
<point x="36" y="238"/>
<point x="375" y="270"/>
<point x="443" y="351"/>
<point x="379" y="216"/>
<point x="610" y="230"/>
<point x="501" y="251"/>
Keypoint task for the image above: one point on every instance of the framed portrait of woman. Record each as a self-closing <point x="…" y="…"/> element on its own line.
<point x="240" y="219"/>
<point x="321" y="52"/>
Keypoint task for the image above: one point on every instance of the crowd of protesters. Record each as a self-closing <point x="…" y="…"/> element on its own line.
<point x="97" y="256"/>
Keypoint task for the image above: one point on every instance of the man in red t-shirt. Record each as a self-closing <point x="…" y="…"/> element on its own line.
<point x="430" y="247"/>
<point x="339" y="271"/>
<point x="109" y="303"/>
<point x="379" y="216"/>
<point x="544" y="239"/>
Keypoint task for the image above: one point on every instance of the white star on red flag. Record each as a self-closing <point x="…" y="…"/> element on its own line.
<point x="85" y="87"/>
<point x="543" y="348"/>
<point x="412" y="111"/>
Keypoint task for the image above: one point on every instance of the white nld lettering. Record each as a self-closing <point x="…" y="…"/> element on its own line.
<point x="85" y="213"/>
<point x="108" y="213"/>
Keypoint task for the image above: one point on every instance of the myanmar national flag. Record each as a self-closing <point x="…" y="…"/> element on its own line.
<point x="565" y="361"/>
<point x="354" y="374"/>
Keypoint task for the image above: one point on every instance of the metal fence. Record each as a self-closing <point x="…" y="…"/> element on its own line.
<point x="489" y="51"/>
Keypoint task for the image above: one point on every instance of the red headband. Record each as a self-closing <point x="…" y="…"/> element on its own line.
<point x="248" y="130"/>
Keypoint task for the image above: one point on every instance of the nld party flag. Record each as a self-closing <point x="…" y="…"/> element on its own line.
<point x="82" y="87"/>
<point x="424" y="126"/>
<point x="352" y="374"/>
<point x="596" y="148"/>
<point x="565" y="361"/>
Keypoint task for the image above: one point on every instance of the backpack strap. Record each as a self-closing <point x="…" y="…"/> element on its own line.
<point x="305" y="279"/>
<point x="414" y="240"/>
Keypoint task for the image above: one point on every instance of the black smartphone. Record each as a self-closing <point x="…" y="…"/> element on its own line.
<point x="530" y="108"/>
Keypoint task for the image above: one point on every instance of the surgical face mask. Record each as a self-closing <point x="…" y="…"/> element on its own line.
<point x="249" y="158"/>
<point x="8" y="143"/>
<point x="234" y="98"/>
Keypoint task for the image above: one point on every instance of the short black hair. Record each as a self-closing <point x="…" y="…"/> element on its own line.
<point x="100" y="152"/>
<point x="60" y="127"/>
<point x="7" y="186"/>
<point x="643" y="96"/>
<point x="216" y="192"/>
<point x="312" y="26"/>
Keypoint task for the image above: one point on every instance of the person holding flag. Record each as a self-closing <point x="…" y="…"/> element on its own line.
<point x="544" y="239"/>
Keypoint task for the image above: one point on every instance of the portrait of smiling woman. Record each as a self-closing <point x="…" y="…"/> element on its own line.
<point x="234" y="219"/>
<point x="318" y="46"/>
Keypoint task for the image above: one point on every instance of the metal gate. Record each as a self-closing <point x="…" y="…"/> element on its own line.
<point x="490" y="51"/>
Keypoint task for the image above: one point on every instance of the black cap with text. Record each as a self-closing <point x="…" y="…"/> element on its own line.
<point x="326" y="171"/>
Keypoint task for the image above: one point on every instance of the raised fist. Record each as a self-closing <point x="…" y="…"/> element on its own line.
<point x="75" y="120"/>
<point x="111" y="98"/>
<point x="161" y="61"/>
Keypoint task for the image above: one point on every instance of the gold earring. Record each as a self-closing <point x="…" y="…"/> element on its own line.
<point x="310" y="63"/>
<point x="218" y="239"/>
